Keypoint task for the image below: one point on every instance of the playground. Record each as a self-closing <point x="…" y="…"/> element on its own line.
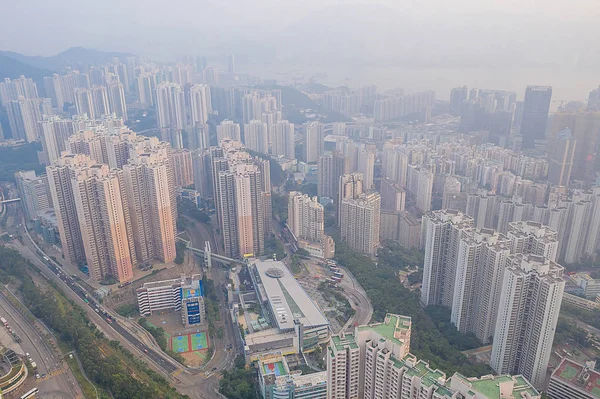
<point x="189" y="342"/>
<point x="274" y="368"/>
<point x="193" y="347"/>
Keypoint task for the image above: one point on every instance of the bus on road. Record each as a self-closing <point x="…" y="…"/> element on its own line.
<point x="30" y="394"/>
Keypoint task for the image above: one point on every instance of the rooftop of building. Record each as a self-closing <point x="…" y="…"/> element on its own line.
<point x="273" y="363"/>
<point x="583" y="277"/>
<point x="287" y="299"/>
<point x="191" y="285"/>
<point x="346" y="341"/>
<point x="489" y="386"/>
<point x="270" y="335"/>
<point x="394" y="327"/>
<point x="303" y="380"/>
<point x="428" y="376"/>
<point x="578" y="375"/>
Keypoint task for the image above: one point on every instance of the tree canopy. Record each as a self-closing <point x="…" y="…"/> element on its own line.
<point x="109" y="366"/>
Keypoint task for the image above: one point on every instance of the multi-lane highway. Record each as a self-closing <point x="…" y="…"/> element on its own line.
<point x="58" y="380"/>
<point x="186" y="381"/>
<point x="95" y="310"/>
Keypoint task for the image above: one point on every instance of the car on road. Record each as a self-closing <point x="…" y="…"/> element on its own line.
<point x="43" y="375"/>
<point x="214" y="369"/>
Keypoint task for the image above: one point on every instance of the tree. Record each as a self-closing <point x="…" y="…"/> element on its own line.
<point x="180" y="248"/>
<point x="279" y="207"/>
<point x="239" y="383"/>
<point x="273" y="245"/>
<point x="13" y="159"/>
<point x="303" y="253"/>
<point x="188" y="208"/>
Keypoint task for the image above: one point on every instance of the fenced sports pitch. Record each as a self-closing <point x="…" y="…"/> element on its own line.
<point x="189" y="342"/>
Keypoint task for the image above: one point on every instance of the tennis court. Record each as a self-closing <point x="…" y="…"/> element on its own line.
<point x="180" y="344"/>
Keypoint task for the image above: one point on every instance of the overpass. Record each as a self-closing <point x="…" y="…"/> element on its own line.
<point x="209" y="256"/>
<point x="9" y="201"/>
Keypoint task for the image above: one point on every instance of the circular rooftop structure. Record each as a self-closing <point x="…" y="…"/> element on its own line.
<point x="274" y="272"/>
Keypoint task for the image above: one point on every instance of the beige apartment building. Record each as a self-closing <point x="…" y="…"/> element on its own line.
<point x="115" y="200"/>
<point x="104" y="222"/>
<point x="242" y="190"/>
<point x="306" y="223"/>
<point x="149" y="185"/>
<point x="60" y="176"/>
<point x="183" y="171"/>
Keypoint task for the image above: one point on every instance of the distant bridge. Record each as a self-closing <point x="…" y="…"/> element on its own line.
<point x="209" y="256"/>
<point x="8" y="201"/>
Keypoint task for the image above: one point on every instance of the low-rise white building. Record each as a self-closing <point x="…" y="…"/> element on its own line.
<point x="183" y="294"/>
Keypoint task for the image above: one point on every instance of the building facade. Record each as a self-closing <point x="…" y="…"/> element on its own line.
<point x="360" y="222"/>
<point x="183" y="294"/>
<point x="530" y="300"/>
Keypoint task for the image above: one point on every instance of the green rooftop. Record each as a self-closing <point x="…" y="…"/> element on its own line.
<point x="343" y="342"/>
<point x="488" y="385"/>
<point x="444" y="390"/>
<point x="392" y="326"/>
<point x="431" y="378"/>
<point x="419" y="370"/>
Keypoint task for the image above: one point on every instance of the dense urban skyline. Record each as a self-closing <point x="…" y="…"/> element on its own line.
<point x="305" y="221"/>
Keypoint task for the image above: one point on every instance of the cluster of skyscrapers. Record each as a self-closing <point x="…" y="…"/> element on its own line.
<point x="497" y="111"/>
<point x="396" y="104"/>
<point x="241" y="187"/>
<point x="111" y="215"/>
<point x="502" y="288"/>
<point x="112" y="193"/>
<point x="80" y="93"/>
<point x="496" y="195"/>
<point x="349" y="102"/>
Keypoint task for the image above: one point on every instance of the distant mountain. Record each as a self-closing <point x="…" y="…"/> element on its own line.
<point x="12" y="68"/>
<point x="71" y="57"/>
<point x="314" y="87"/>
<point x="291" y="97"/>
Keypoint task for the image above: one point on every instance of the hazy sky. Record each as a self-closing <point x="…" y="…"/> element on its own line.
<point x="46" y="27"/>
<point x="414" y="44"/>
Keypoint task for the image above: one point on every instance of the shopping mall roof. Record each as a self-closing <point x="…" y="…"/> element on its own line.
<point x="287" y="299"/>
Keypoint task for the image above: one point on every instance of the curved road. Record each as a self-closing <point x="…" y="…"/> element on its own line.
<point x="358" y="300"/>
